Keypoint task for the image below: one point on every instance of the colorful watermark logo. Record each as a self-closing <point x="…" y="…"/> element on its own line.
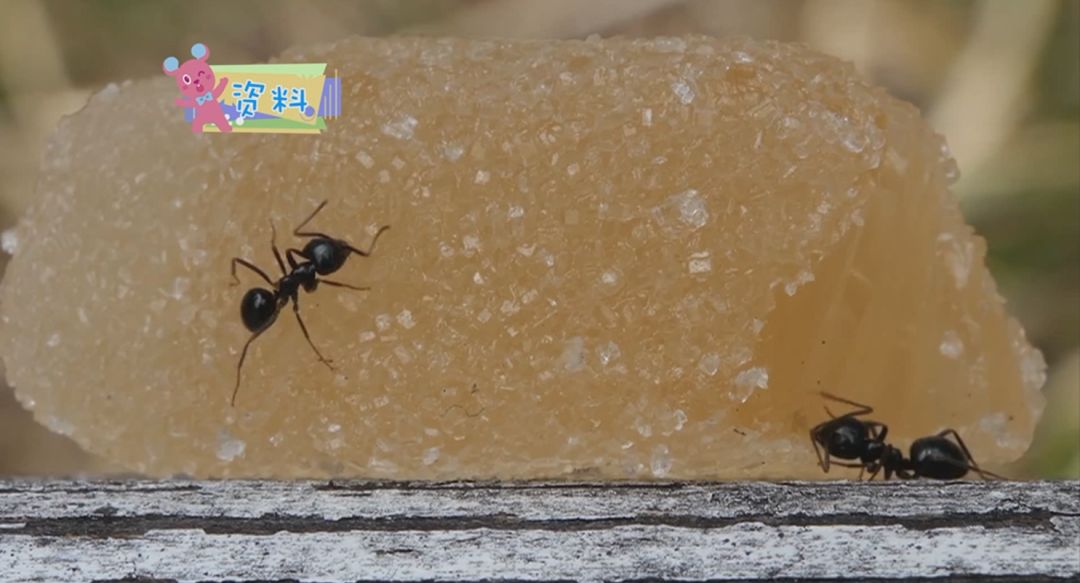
<point x="282" y="99"/>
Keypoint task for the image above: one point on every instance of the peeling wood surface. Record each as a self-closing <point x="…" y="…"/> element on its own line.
<point x="366" y="531"/>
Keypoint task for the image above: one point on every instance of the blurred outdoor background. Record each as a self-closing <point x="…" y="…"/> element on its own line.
<point x="1000" y="78"/>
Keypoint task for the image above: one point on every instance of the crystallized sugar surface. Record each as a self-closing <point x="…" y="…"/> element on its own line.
<point x="616" y="259"/>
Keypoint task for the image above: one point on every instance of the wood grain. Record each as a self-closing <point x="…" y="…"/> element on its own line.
<point x="365" y="531"/>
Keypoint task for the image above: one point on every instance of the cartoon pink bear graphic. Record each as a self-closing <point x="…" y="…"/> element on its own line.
<point x="196" y="82"/>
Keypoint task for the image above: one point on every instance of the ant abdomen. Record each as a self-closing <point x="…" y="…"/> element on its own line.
<point x="937" y="457"/>
<point x="258" y="309"/>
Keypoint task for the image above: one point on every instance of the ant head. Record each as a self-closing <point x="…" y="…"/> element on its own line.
<point x="194" y="76"/>
<point x="258" y="309"/>
<point x="847" y="440"/>
<point x="328" y="255"/>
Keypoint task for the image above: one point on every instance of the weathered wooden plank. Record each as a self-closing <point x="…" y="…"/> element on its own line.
<point x="318" y="531"/>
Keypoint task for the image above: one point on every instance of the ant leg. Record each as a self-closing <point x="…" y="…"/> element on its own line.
<point x="344" y="285"/>
<point x="303" y="328"/>
<point x="971" y="461"/>
<point x="292" y="261"/>
<point x="862" y="467"/>
<point x="874" y="473"/>
<point x="314" y="234"/>
<point x="861" y="409"/>
<point x="986" y="475"/>
<point x="273" y="245"/>
<point x="371" y="247"/>
<point x="297" y="232"/>
<point x="959" y="442"/>
<point x="243" y="355"/>
<point x="823" y="461"/>
<point x="882" y="430"/>
<point x="250" y="266"/>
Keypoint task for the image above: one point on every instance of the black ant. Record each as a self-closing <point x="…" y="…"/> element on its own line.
<point x="322" y="255"/>
<point x="849" y="438"/>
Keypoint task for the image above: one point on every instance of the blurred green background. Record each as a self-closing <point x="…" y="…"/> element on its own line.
<point x="1000" y="78"/>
